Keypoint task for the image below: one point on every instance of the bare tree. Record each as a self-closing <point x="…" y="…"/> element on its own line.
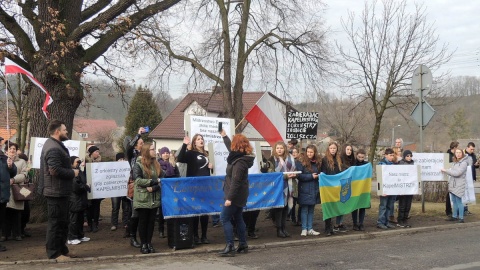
<point x="388" y="43"/>
<point x="236" y="44"/>
<point x="56" y="41"/>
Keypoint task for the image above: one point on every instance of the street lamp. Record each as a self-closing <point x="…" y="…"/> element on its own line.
<point x="393" y="134"/>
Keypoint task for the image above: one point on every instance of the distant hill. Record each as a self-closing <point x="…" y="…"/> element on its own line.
<point x="103" y="105"/>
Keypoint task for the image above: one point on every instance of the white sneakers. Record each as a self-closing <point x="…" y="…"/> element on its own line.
<point x="113" y="228"/>
<point x="304" y="233"/>
<point x="74" y="242"/>
<point x="84" y="239"/>
<point x="312" y="232"/>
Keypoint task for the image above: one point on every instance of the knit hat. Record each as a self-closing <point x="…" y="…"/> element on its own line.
<point x="92" y="149"/>
<point x="119" y="156"/>
<point x="406" y="153"/>
<point x="164" y="150"/>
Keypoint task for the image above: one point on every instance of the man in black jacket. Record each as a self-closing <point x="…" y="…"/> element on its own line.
<point x="7" y="171"/>
<point x="56" y="178"/>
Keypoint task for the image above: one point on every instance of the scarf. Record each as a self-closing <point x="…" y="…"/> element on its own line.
<point x="287" y="165"/>
<point x="167" y="167"/>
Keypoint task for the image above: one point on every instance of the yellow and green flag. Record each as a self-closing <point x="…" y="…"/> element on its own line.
<point x="347" y="191"/>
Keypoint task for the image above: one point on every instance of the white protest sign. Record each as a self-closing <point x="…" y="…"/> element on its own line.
<point x="398" y="179"/>
<point x="469" y="196"/>
<point x="108" y="179"/>
<point x="221" y="154"/>
<point x="75" y="148"/>
<point x="431" y="164"/>
<point x="208" y="128"/>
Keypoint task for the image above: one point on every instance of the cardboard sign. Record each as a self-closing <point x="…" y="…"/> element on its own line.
<point x="398" y="179"/>
<point x="431" y="164"/>
<point x="208" y="128"/>
<point x="221" y="154"/>
<point x="75" y="148"/>
<point x="469" y="196"/>
<point x="108" y="179"/>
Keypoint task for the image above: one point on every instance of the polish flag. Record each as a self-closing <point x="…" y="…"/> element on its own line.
<point x="12" y="68"/>
<point x="268" y="119"/>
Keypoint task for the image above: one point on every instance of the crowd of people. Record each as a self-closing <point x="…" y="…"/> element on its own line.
<point x="63" y="183"/>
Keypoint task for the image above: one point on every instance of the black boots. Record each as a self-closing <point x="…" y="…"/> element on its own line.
<point x="285" y="232"/>
<point x="133" y="241"/>
<point x="280" y="233"/>
<point x="229" y="251"/>
<point x="144" y="249"/>
<point x="242" y="248"/>
<point x="150" y="248"/>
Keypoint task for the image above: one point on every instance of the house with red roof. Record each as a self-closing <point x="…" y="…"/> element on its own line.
<point x="170" y="131"/>
<point x="102" y="133"/>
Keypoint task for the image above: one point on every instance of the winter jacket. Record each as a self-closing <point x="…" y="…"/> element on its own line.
<point x="78" y="198"/>
<point x="141" y="197"/>
<point x="165" y="164"/>
<point x="360" y="163"/>
<point x="327" y="170"/>
<point x="236" y="188"/>
<point x="5" y="175"/>
<point x="472" y="161"/>
<point x="56" y="173"/>
<point x="384" y="161"/>
<point x="19" y="178"/>
<point x="308" y="188"/>
<point x="457" y="181"/>
<point x="197" y="163"/>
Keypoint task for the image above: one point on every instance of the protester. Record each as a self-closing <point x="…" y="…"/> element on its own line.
<point x="26" y="204"/>
<point x="78" y="204"/>
<point x="236" y="190"/>
<point x="15" y="208"/>
<point x="331" y="165"/>
<point x="132" y="150"/>
<point x="291" y="145"/>
<point x="55" y="184"/>
<point x="93" y="210"/>
<point x="8" y="169"/>
<point x="358" y="216"/>
<point x="308" y="188"/>
<point x="451" y="154"/>
<point x="295" y="217"/>
<point x="386" y="201"/>
<point x="2" y="142"/>
<point x="146" y="198"/>
<point x="405" y="201"/>
<point x="474" y="164"/>
<point x="170" y="168"/>
<point x="348" y="159"/>
<point x="457" y="184"/>
<point x="198" y="164"/>
<point x="282" y="161"/>
<point x="120" y="201"/>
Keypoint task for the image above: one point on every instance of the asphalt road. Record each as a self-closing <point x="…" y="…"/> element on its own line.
<point x="448" y="249"/>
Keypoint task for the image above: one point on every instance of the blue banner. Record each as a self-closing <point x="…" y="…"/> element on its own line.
<point x="195" y="196"/>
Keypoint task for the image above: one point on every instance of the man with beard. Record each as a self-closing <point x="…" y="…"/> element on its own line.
<point x="56" y="177"/>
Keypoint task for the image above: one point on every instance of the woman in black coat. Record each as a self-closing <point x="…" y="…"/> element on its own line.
<point x="236" y="191"/>
<point x="78" y="205"/>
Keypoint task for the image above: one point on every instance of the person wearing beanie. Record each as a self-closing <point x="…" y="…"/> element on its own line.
<point x="405" y="201"/>
<point x="124" y="202"/>
<point x="77" y="205"/>
<point x="93" y="211"/>
<point x="171" y="170"/>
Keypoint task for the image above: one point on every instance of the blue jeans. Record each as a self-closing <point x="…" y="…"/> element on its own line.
<point x="307" y="213"/>
<point x="457" y="206"/>
<point x="391" y="212"/>
<point x="339" y="220"/>
<point x="226" y="216"/>
<point x="384" y="209"/>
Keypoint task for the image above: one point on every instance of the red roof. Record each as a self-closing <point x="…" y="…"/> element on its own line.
<point x="95" y="128"/>
<point x="172" y="126"/>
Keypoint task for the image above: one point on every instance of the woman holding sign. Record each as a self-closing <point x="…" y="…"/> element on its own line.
<point x="198" y="164"/>
<point x="146" y="198"/>
<point x="456" y="184"/>
<point x="282" y="161"/>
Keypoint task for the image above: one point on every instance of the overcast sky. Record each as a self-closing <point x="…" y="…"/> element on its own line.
<point x="457" y="23"/>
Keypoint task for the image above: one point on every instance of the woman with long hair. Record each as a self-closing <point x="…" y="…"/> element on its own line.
<point x="282" y="161"/>
<point x="308" y="189"/>
<point x="198" y="164"/>
<point x="331" y="165"/>
<point x="347" y="157"/>
<point x="146" y="198"/>
<point x="236" y="191"/>
<point x="171" y="171"/>
<point x="457" y="183"/>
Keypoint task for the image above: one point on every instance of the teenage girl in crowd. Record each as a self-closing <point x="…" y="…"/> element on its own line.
<point x="146" y="198"/>
<point x="358" y="216"/>
<point x="295" y="217"/>
<point x="348" y="159"/>
<point x="198" y="164"/>
<point x="331" y="165"/>
<point x="282" y="161"/>
<point x="308" y="189"/>
<point x="405" y="201"/>
<point x="171" y="170"/>
<point x="457" y="183"/>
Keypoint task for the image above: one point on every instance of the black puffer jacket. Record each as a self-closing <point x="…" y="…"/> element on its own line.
<point x="5" y="175"/>
<point x="78" y="199"/>
<point x="56" y="173"/>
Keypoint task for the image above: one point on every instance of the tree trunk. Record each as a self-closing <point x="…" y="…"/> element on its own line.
<point x="434" y="191"/>
<point x="374" y="140"/>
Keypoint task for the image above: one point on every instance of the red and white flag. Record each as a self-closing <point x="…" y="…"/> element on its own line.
<point x="12" y="68"/>
<point x="268" y="119"/>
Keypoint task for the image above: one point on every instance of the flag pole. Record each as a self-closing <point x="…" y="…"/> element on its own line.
<point x="239" y="123"/>
<point x="6" y="100"/>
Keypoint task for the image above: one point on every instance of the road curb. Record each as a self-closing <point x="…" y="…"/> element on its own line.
<point x="306" y="241"/>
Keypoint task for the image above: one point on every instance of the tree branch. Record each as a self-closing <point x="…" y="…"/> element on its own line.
<point x="94" y="9"/>
<point x="22" y="38"/>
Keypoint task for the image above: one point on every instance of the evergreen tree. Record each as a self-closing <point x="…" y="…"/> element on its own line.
<point x="142" y="112"/>
<point x="459" y="127"/>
